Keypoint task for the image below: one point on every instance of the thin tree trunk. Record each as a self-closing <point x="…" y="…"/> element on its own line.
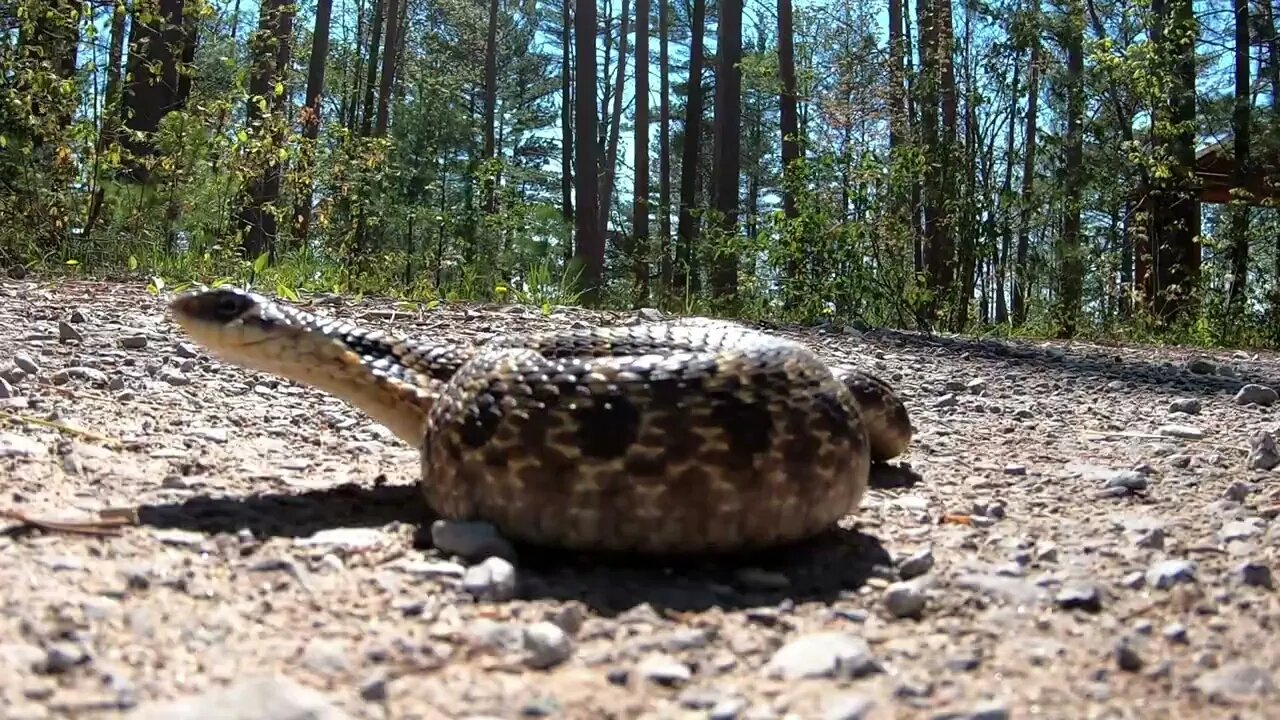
<point x="1072" y="264"/>
<point x="788" y="115"/>
<point x="615" y="123"/>
<point x="371" y="74"/>
<point x="566" y="122"/>
<point x="688" y="227"/>
<point x="491" y="102"/>
<point x="390" y="50"/>
<point x="664" y="145"/>
<point x="589" y="239"/>
<point x="727" y="144"/>
<point x="1021" y="273"/>
<point x="1240" y="126"/>
<point x="640" y="199"/>
<point x="311" y="118"/>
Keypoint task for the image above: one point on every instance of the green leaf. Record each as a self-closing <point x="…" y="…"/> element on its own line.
<point x="133" y="263"/>
<point x="286" y="292"/>
<point x="260" y="263"/>
<point x="73" y="262"/>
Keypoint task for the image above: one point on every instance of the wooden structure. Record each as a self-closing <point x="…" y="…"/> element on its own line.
<point x="1216" y="170"/>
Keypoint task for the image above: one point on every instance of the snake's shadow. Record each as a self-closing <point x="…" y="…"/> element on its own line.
<point x="823" y="569"/>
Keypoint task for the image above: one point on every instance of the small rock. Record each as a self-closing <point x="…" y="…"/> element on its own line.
<point x="1237" y="491"/>
<point x="26" y="364"/>
<point x="1201" y="366"/>
<point x="1190" y="406"/>
<point x="663" y="670"/>
<point x="94" y="376"/>
<point x="1127" y="658"/>
<point x="67" y="332"/>
<point x="1256" y="395"/>
<point x="1263" y="454"/>
<point x="946" y="401"/>
<point x="1236" y="682"/>
<point x="727" y="709"/>
<point x="1189" y="432"/>
<point x="904" y="600"/>
<point x="14" y="445"/>
<point x="494" y="579"/>
<point x="1167" y="573"/>
<point x="327" y="657"/>
<point x="1127" y="479"/>
<point x="916" y="565"/>
<point x="374" y="689"/>
<point x="270" y="698"/>
<point x="992" y="710"/>
<point x="1238" y="530"/>
<point x="546" y="645"/>
<point x="1255" y="574"/>
<point x="62" y="656"/>
<point x="173" y="376"/>
<point x="78" y="316"/>
<point x="347" y="538"/>
<point x="217" y="435"/>
<point x="976" y="386"/>
<point x="186" y="350"/>
<point x="1083" y="595"/>
<point x="133" y="341"/>
<point x="1175" y="632"/>
<point x="823" y="654"/>
<point x="1015" y="469"/>
<point x="470" y="540"/>
<point x="649" y="314"/>
<point x="847" y="706"/>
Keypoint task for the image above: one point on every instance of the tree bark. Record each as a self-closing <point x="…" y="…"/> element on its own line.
<point x="1021" y="272"/>
<point x="155" y="88"/>
<point x="310" y="118"/>
<point x="390" y="51"/>
<point x="371" y="73"/>
<point x="609" y="178"/>
<point x="589" y="238"/>
<point x="727" y="144"/>
<point x="684" y="271"/>
<point x="789" y="117"/>
<point x="664" y="146"/>
<point x="1072" y="265"/>
<point x="640" y="198"/>
<point x="491" y="102"/>
<point x="566" y="121"/>
<point x="1240" y="126"/>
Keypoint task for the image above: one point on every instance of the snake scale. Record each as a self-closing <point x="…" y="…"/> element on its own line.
<point x="682" y="436"/>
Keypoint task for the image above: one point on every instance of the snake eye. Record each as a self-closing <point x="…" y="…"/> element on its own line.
<point x="229" y="306"/>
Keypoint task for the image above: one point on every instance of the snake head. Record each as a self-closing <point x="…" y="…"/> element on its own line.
<point x="225" y="317"/>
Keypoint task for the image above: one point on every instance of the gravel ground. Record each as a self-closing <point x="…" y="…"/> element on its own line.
<point x="1078" y="531"/>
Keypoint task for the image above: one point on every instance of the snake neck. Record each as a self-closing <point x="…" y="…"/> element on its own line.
<point x="395" y="381"/>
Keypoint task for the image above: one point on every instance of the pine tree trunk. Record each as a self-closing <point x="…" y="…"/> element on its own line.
<point x="727" y="144"/>
<point x="640" y="199"/>
<point x="589" y="240"/>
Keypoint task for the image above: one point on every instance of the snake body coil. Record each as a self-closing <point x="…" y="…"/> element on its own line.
<point x="689" y="436"/>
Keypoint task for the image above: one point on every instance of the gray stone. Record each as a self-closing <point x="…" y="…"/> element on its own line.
<point x="1082" y="595"/>
<point x="186" y="350"/>
<point x="133" y="341"/>
<point x="1238" y="530"/>
<point x="347" y="538"/>
<point x="847" y="706"/>
<point x="1263" y="454"/>
<point x="271" y="698"/>
<point x="62" y="656"/>
<point x="470" y="540"/>
<point x="1189" y="432"/>
<point x="173" y="377"/>
<point x="67" y="332"/>
<point x="1190" y="406"/>
<point x="823" y="654"/>
<point x="91" y="375"/>
<point x="493" y="579"/>
<point x="916" y="564"/>
<point x="327" y="657"/>
<point x="1255" y="574"/>
<point x="1127" y="657"/>
<point x="1167" y="573"/>
<point x="904" y="600"/>
<point x="1127" y="479"/>
<point x="1236" y="682"/>
<point x="26" y="363"/>
<point x="1256" y="395"/>
<point x="546" y="645"/>
<point x="663" y="670"/>
<point x="15" y="445"/>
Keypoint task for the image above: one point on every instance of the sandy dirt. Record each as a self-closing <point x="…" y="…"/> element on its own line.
<point x="1078" y="531"/>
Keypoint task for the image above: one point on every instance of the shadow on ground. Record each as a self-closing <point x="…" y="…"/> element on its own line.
<point x="819" y="569"/>
<point x="1093" y="362"/>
